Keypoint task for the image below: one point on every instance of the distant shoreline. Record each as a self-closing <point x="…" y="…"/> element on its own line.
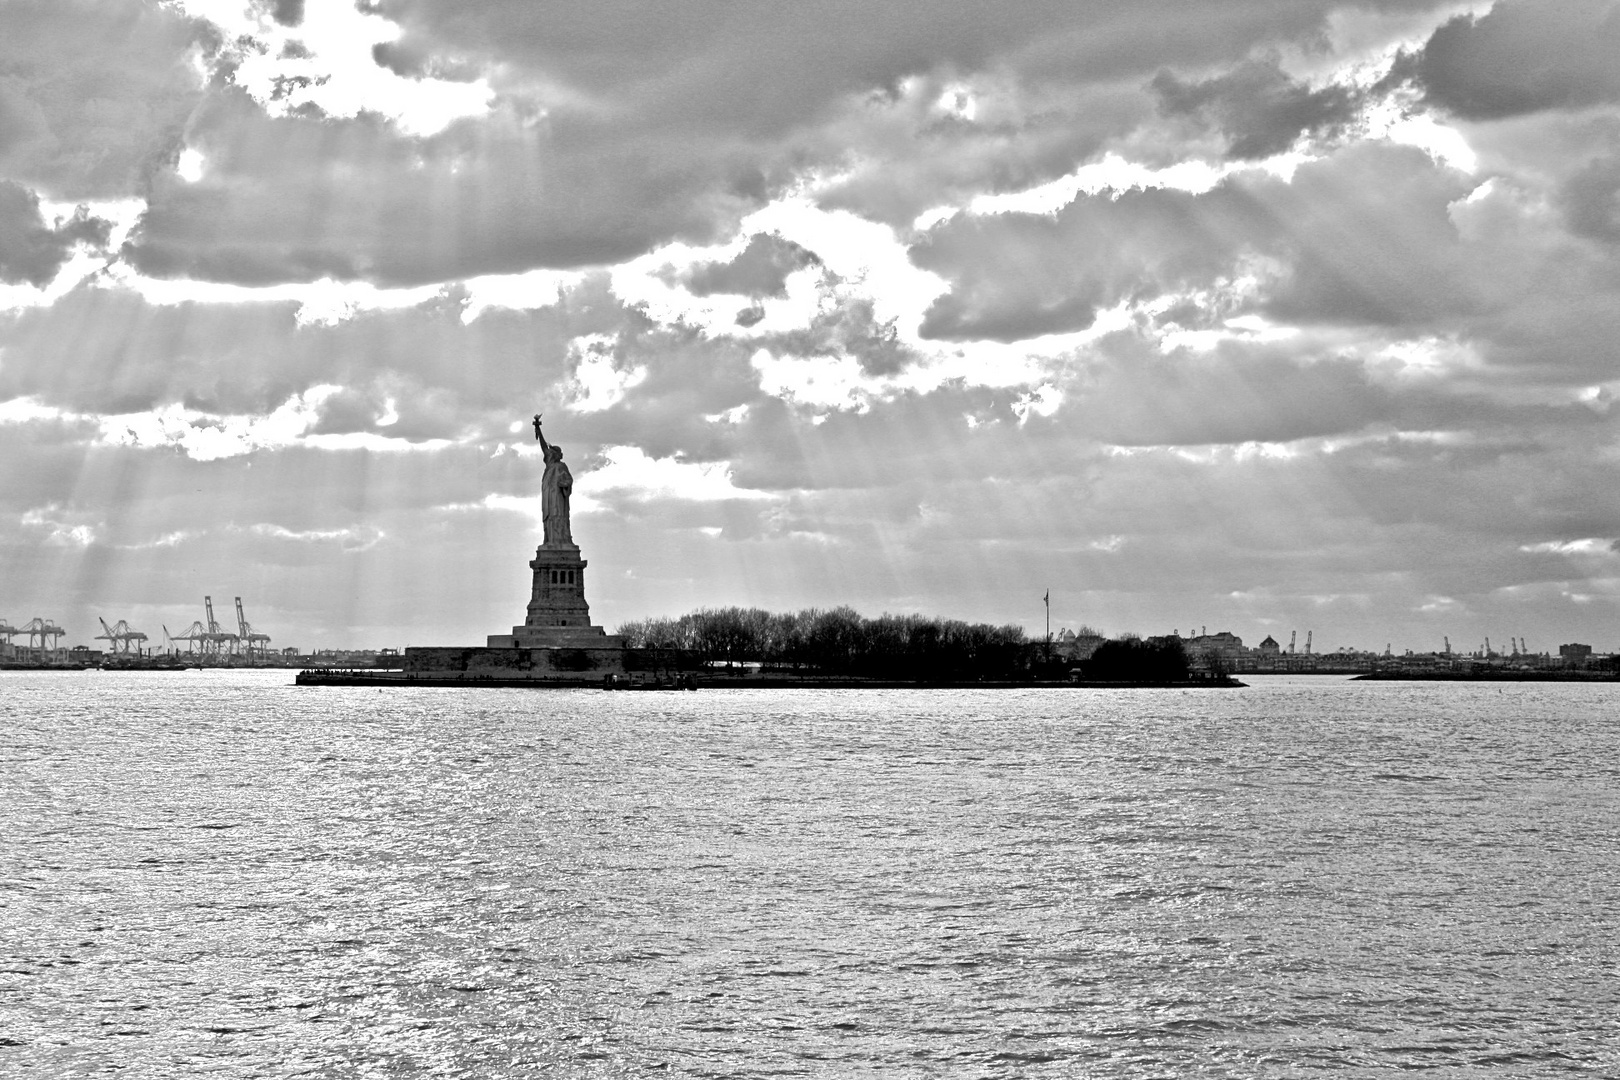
<point x="1488" y="676"/>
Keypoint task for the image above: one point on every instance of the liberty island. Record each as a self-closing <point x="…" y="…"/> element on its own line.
<point x="557" y="645"/>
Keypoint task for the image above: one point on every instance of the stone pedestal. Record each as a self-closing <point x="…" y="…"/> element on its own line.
<point x="558" y="614"/>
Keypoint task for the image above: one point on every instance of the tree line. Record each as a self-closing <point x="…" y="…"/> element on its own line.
<point x="1131" y="659"/>
<point x="842" y="641"/>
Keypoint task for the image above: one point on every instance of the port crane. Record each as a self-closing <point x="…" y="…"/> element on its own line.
<point x="253" y="642"/>
<point x="121" y="635"/>
<point x="207" y="636"/>
<point x="194" y="636"/>
<point x="217" y="640"/>
<point x="40" y="629"/>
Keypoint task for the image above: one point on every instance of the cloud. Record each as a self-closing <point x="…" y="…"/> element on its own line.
<point x="32" y="251"/>
<point x="1588" y="547"/>
<point x="355" y="539"/>
<point x="1521" y="56"/>
<point x="351" y="199"/>
<point x="722" y="109"/>
<point x="104" y="349"/>
<point x="56" y="532"/>
<point x="628" y="470"/>
<point x="1591" y="200"/>
<point x="599" y="382"/>
<point x="1017" y="276"/>
<point x="1374" y="235"/>
<point x="1134" y="395"/>
<point x="711" y="65"/>
<point x="95" y="94"/>
<point x="287" y="12"/>
<point x="1259" y="108"/>
<point x="760" y="270"/>
<point x="848" y="331"/>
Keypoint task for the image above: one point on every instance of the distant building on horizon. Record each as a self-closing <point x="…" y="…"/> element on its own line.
<point x="1224" y="643"/>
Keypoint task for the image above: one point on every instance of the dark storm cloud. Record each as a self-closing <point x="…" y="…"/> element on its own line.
<point x="1521" y="57"/>
<point x="1258" y="107"/>
<point x="32" y="251"/>
<point x="94" y="94"/>
<point x="761" y="269"/>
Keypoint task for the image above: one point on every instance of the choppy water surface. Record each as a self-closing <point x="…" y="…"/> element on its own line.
<point x="223" y="874"/>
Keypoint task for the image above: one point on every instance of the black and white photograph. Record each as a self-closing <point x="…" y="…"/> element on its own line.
<point x="852" y="538"/>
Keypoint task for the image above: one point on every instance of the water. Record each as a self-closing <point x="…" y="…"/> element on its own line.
<point x="220" y="874"/>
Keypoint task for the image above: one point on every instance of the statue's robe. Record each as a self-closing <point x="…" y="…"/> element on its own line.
<point x="556" y="485"/>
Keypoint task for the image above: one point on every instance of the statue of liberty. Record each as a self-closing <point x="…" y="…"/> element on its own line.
<point x="556" y="485"/>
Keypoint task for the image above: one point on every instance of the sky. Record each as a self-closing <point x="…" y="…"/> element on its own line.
<point x="1255" y="315"/>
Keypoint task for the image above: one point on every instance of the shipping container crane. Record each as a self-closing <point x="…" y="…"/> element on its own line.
<point x="195" y="636"/>
<point x="217" y="641"/>
<point x="40" y="629"/>
<point x="1293" y="635"/>
<point x="8" y="631"/>
<point x="253" y="642"/>
<point x="121" y="635"/>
